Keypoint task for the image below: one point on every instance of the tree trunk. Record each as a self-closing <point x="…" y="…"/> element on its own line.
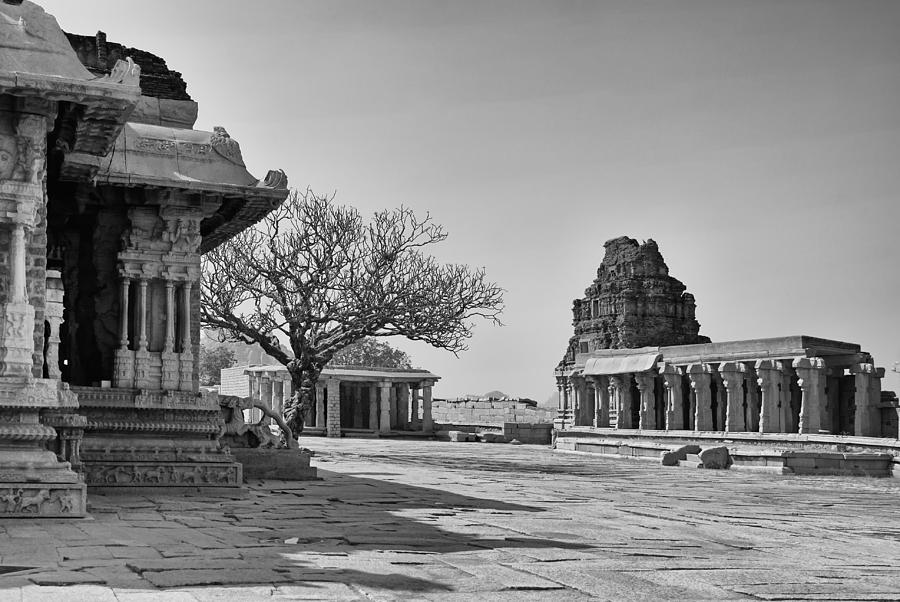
<point x="302" y="400"/>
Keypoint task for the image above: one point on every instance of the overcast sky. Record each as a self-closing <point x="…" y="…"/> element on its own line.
<point x="757" y="141"/>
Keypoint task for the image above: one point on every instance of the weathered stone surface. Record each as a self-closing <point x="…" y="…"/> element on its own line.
<point x="673" y="457"/>
<point x="100" y="56"/>
<point x="460" y="436"/>
<point x="669" y="458"/>
<point x="715" y="457"/>
<point x="633" y="302"/>
<point x="281" y="464"/>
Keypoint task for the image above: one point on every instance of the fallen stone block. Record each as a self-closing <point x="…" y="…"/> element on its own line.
<point x="669" y="458"/>
<point x="715" y="457"/>
<point x="493" y="438"/>
<point x="676" y="456"/>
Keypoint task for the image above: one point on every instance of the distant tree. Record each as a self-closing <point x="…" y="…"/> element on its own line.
<point x="320" y="277"/>
<point x="212" y="361"/>
<point x="372" y="353"/>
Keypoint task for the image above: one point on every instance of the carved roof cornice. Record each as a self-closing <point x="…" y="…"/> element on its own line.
<point x="37" y="61"/>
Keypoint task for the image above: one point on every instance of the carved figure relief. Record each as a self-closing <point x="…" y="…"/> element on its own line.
<point x="31" y="132"/>
<point x="16" y="326"/>
<point x="196" y="474"/>
<point x="226" y="146"/>
<point x="125" y="72"/>
<point x="9" y="154"/>
<point x="66" y="501"/>
<point x="16" y="500"/>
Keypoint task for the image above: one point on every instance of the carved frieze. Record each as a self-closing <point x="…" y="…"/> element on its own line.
<point x="185" y="474"/>
<point x="26" y="392"/>
<point x="97" y="397"/>
<point x="45" y="500"/>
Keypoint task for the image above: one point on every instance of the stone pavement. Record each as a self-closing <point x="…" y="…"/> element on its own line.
<point x="424" y="520"/>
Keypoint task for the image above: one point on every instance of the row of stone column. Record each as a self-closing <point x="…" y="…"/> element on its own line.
<point x="757" y="396"/>
<point x="132" y="368"/>
<point x="274" y="390"/>
<point x="402" y="397"/>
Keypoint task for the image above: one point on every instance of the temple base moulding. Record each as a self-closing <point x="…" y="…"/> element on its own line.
<point x="163" y="474"/>
<point x="43" y="500"/>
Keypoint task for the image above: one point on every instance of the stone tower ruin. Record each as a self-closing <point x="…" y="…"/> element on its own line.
<point x="633" y="302"/>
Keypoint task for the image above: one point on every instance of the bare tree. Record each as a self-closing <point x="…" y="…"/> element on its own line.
<point x="320" y="277"/>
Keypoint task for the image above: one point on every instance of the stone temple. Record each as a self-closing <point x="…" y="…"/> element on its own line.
<point x="108" y="196"/>
<point x="637" y="361"/>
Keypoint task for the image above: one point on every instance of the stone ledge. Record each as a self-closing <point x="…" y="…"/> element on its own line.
<point x="280" y="464"/>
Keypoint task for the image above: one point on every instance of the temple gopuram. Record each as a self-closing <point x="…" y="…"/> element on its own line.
<point x="637" y="361"/>
<point x="108" y="197"/>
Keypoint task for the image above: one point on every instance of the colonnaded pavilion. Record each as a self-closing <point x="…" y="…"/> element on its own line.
<point x="348" y="399"/>
<point x="637" y="361"/>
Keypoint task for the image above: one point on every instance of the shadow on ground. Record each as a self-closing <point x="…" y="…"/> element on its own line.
<point x="347" y="530"/>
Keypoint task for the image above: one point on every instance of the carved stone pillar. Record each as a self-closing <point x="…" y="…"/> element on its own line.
<point x="769" y="373"/>
<point x="560" y="422"/>
<point x="124" y="359"/>
<point x="53" y="313"/>
<point x="601" y="389"/>
<point x="811" y="375"/>
<point x="866" y="423"/>
<point x="831" y="418"/>
<point x="142" y="355"/>
<point x="373" y="407"/>
<point x="578" y="399"/>
<point x="427" y="423"/>
<point x="384" y="394"/>
<point x="170" y="317"/>
<point x="733" y="381"/>
<point x="187" y="352"/>
<point x="753" y="399"/>
<point x="700" y="376"/>
<point x="320" y="405"/>
<point x="785" y="406"/>
<point x="621" y="385"/>
<point x="333" y="417"/>
<point x="17" y="326"/>
<point x="403" y="406"/>
<point x="171" y="374"/>
<point x="415" y="422"/>
<point x="615" y="400"/>
<point x="674" y="397"/>
<point x="721" y="399"/>
<point x="645" y="384"/>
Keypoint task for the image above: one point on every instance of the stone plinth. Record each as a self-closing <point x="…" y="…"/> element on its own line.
<point x="154" y="438"/>
<point x="33" y="480"/>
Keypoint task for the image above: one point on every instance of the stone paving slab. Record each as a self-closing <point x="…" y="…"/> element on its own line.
<point x="422" y="520"/>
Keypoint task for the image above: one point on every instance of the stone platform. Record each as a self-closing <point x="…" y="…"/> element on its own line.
<point x="781" y="453"/>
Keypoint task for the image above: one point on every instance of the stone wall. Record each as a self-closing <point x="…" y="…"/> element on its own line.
<point x="487" y="413"/>
<point x="633" y="302"/>
<point x="99" y="57"/>
<point x="234" y="381"/>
